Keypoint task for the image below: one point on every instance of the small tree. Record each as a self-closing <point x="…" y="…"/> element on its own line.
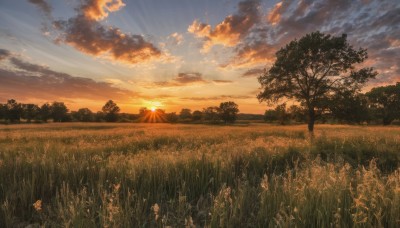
<point x="197" y="115"/>
<point x="297" y="113"/>
<point x="59" y="112"/>
<point x="185" y="114"/>
<point x="385" y="100"/>
<point x="172" y="117"/>
<point x="270" y="115"/>
<point x="30" y="111"/>
<point x="211" y="114"/>
<point x="84" y="115"/>
<point x="111" y="111"/>
<point x="312" y="68"/>
<point x="13" y="111"/>
<point x="228" y="111"/>
<point x="45" y="112"/>
<point x="281" y="113"/>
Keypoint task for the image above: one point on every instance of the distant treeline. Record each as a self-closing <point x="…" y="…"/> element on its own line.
<point x="380" y="105"/>
<point x="14" y="112"/>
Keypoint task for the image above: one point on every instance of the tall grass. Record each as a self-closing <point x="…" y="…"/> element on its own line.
<point x="157" y="175"/>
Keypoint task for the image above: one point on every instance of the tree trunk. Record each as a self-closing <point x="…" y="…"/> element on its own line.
<point x="311" y="120"/>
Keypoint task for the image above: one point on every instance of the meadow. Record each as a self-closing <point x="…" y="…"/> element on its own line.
<point x="176" y="175"/>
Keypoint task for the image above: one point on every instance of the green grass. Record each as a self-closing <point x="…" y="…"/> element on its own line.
<point x="157" y="175"/>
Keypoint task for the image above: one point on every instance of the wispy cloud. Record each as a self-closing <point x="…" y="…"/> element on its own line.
<point x="28" y="80"/>
<point x="255" y="72"/>
<point x="219" y="98"/>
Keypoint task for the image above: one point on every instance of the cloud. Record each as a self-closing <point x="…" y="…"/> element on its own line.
<point x="255" y="72"/>
<point x="217" y="81"/>
<point x="27" y="80"/>
<point x="176" y="38"/>
<point x="275" y="15"/>
<point x="219" y="98"/>
<point x="92" y="38"/>
<point x="4" y="54"/>
<point x="251" y="54"/>
<point x="85" y="33"/>
<point x="98" y="9"/>
<point x="42" y="5"/>
<point x="232" y="29"/>
<point x="182" y="79"/>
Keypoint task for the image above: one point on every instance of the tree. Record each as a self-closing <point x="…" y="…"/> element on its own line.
<point x="349" y="107"/>
<point x="185" y="114"/>
<point x="111" y="111"/>
<point x="270" y="115"/>
<point x="211" y="114"/>
<point x="281" y="113"/>
<point x="310" y="69"/>
<point x="297" y="113"/>
<point x="59" y="112"/>
<point x="228" y="111"/>
<point x="385" y="100"/>
<point x="3" y="111"/>
<point x="13" y="111"/>
<point x="30" y="111"/>
<point x="84" y="115"/>
<point x="45" y="112"/>
<point x="197" y="115"/>
<point x="172" y="117"/>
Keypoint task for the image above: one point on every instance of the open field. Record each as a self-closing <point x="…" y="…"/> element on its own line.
<point x="154" y="175"/>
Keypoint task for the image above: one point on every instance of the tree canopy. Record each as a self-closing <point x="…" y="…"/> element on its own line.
<point x="312" y="68"/>
<point x="385" y="100"/>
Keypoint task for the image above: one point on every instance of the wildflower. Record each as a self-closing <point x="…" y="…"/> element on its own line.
<point x="38" y="205"/>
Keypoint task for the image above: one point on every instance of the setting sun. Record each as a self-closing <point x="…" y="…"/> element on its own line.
<point x="153" y="109"/>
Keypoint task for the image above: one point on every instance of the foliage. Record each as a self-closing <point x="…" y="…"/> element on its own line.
<point x="45" y="112"/>
<point x="172" y="117"/>
<point x="310" y="69"/>
<point x="59" y="112"/>
<point x="111" y="111"/>
<point x="185" y="114"/>
<point x="385" y="101"/>
<point x="84" y="115"/>
<point x="30" y="111"/>
<point x="197" y="115"/>
<point x="211" y="114"/>
<point x="349" y="107"/>
<point x="228" y="111"/>
<point x="14" y="111"/>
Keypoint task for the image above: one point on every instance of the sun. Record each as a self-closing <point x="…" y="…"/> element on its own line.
<point x="153" y="109"/>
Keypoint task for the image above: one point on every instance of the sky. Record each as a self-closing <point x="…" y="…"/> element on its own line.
<point x="174" y="54"/>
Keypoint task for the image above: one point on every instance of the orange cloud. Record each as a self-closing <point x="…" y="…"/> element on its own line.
<point x="251" y="54"/>
<point x="275" y="15"/>
<point x="92" y="38"/>
<point x="232" y="29"/>
<point x="98" y="9"/>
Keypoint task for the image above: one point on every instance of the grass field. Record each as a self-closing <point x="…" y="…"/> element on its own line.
<point x="159" y="175"/>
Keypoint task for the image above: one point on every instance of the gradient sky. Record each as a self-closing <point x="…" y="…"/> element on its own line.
<point x="173" y="54"/>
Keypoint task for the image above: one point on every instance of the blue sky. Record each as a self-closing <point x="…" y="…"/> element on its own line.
<point x="173" y="54"/>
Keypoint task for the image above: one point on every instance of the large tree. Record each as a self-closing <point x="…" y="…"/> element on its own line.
<point x="385" y="101"/>
<point x="111" y="111"/>
<point x="312" y="68"/>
